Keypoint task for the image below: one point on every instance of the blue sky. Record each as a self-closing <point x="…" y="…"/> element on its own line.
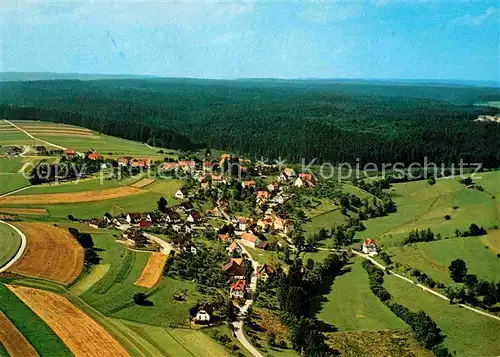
<point x="335" y="39"/>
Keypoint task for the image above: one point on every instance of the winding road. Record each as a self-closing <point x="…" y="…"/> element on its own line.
<point x="238" y="324"/>
<point x="423" y="287"/>
<point x="20" y="251"/>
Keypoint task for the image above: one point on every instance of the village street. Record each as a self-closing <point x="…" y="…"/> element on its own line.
<point x="238" y="325"/>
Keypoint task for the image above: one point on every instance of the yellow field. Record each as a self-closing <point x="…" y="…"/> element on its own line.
<point x="25" y="211"/>
<point x="52" y="253"/>
<point x="152" y="271"/>
<point x="83" y="336"/>
<point x="75" y="197"/>
<point x="13" y="340"/>
<point x="142" y="183"/>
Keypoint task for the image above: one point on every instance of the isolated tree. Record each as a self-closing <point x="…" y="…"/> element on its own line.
<point x="140" y="298"/>
<point x="162" y="205"/>
<point x="431" y="180"/>
<point x="458" y="270"/>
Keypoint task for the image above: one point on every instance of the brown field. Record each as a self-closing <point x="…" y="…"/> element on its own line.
<point x="85" y="196"/>
<point x="51" y="127"/>
<point x="152" y="271"/>
<point x="13" y="340"/>
<point x="143" y="183"/>
<point x="60" y="132"/>
<point x="82" y="335"/>
<point x="28" y="211"/>
<point x="51" y="253"/>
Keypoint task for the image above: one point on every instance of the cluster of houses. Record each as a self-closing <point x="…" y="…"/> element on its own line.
<point x="128" y="161"/>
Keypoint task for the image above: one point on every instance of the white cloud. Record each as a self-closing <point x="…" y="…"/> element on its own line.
<point x="477" y="20"/>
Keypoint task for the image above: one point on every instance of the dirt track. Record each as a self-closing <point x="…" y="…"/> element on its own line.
<point x="13" y="340"/>
<point x="52" y="253"/>
<point x="152" y="271"/>
<point x="85" y="196"/>
<point x="83" y="336"/>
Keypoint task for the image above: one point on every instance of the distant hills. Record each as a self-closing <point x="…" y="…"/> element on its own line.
<point x="43" y="76"/>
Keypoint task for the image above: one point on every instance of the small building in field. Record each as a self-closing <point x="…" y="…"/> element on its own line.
<point x="203" y="315"/>
<point x="239" y="289"/>
<point x="369" y="247"/>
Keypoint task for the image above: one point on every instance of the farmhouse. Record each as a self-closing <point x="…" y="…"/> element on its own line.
<point x="302" y="182"/>
<point x="249" y="239"/>
<point x="264" y="224"/>
<point x="284" y="225"/>
<point x="173" y="217"/>
<point x="248" y="183"/>
<point x="265" y="272"/>
<point x="124" y="160"/>
<point x="224" y="158"/>
<point x="262" y="196"/>
<point x="203" y="315"/>
<point x="243" y="223"/>
<point x="370" y="247"/>
<point x="239" y="289"/>
<point x="287" y="174"/>
<point x="133" y="217"/>
<point x="181" y="193"/>
<point x="218" y="179"/>
<point x="154" y="217"/>
<point x="94" y="155"/>
<point x="278" y="199"/>
<point x="234" y="267"/>
<point x="194" y="217"/>
<point x="97" y="222"/>
<point x="234" y="249"/>
<point x="186" y="206"/>
<point x="70" y="152"/>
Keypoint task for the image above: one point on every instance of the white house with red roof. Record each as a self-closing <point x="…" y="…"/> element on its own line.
<point x="239" y="289"/>
<point x="369" y="247"/>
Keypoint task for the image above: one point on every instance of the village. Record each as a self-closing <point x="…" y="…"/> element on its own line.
<point x="265" y="226"/>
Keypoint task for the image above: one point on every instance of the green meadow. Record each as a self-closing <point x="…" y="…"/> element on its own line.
<point x="433" y="258"/>
<point x="10" y="242"/>
<point x="41" y="337"/>
<point x="468" y="333"/>
<point x="351" y="305"/>
<point x="422" y="206"/>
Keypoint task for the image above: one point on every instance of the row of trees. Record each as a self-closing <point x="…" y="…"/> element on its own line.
<point x="85" y="239"/>
<point x="424" y="328"/>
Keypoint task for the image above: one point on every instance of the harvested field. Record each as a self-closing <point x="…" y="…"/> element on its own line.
<point x="82" y="335"/>
<point x="152" y="271"/>
<point x="84" y="196"/>
<point x="13" y="340"/>
<point x="61" y="132"/>
<point x="143" y="183"/>
<point x="51" y="127"/>
<point x="52" y="253"/>
<point x="26" y="211"/>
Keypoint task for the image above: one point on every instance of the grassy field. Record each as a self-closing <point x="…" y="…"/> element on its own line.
<point x="468" y="333"/>
<point x="10" y="241"/>
<point x="15" y="138"/>
<point x="351" y="305"/>
<point x="41" y="337"/>
<point x="112" y="294"/>
<point x="422" y="206"/>
<point x="325" y="220"/>
<point x="433" y="258"/>
<point x="263" y="256"/>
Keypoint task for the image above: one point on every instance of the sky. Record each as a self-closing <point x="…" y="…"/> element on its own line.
<point x="286" y="39"/>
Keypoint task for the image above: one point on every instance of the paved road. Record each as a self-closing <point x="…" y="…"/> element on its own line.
<point x="423" y="287"/>
<point x="31" y="136"/>
<point x="20" y="251"/>
<point x="238" y="325"/>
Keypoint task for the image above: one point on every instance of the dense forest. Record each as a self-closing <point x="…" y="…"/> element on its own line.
<point x="328" y="120"/>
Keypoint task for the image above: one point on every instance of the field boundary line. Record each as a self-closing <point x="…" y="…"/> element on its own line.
<point x="34" y="138"/>
<point x="20" y="251"/>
